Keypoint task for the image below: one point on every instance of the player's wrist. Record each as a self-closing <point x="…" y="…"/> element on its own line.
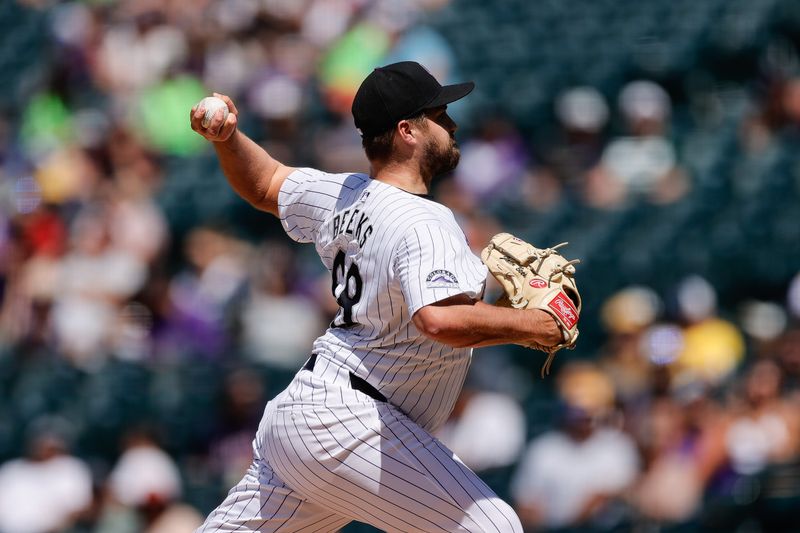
<point x="545" y="330"/>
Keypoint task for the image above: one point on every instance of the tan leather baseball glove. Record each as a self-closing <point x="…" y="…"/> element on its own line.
<point x="536" y="278"/>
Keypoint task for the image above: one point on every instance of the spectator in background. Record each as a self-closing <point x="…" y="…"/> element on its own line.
<point x="202" y="297"/>
<point x="627" y="315"/>
<point x="788" y="355"/>
<point x="669" y="489"/>
<point x="47" y="490"/>
<point x="138" y="50"/>
<point x="570" y="476"/>
<point x="278" y="325"/>
<point x="231" y="443"/>
<point x="144" y="488"/>
<point x="492" y="162"/>
<point x="789" y="101"/>
<point x="644" y="163"/>
<point x="765" y="427"/>
<point x="31" y="261"/>
<point x="787" y="347"/>
<point x="763" y="323"/>
<point x="486" y="429"/>
<point x="758" y="434"/>
<point x="582" y="113"/>
<point x="712" y="347"/>
<point x="96" y="278"/>
<point x="682" y="443"/>
<point x="136" y="224"/>
<point x="776" y="115"/>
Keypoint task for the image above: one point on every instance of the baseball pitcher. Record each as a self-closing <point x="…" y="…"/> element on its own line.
<point x="350" y="437"/>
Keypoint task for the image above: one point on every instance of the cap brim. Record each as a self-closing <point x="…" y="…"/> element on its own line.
<point x="451" y="93"/>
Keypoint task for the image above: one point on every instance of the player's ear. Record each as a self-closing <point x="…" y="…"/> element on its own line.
<point x="407" y="132"/>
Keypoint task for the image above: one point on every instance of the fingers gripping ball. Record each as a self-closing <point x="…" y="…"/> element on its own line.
<point x="212" y="105"/>
<point x="536" y="278"/>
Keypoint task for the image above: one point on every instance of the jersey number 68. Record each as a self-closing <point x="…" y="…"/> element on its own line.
<point x="350" y="293"/>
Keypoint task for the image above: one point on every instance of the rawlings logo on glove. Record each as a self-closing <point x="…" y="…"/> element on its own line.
<point x="562" y="306"/>
<point x="536" y="278"/>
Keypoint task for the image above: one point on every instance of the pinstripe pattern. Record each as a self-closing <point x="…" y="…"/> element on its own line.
<point x="411" y="238"/>
<point x="326" y="454"/>
<point x="344" y="450"/>
<point x="262" y="502"/>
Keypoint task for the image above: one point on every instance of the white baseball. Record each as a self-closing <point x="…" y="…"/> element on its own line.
<point x="212" y="104"/>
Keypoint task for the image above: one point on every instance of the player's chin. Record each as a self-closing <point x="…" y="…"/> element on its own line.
<point x="454" y="157"/>
<point x="447" y="163"/>
<point x="442" y="160"/>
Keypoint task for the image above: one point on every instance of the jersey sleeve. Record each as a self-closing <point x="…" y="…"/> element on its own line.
<point x="304" y="202"/>
<point x="432" y="264"/>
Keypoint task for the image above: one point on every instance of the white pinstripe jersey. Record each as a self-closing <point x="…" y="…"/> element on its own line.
<point x="390" y="253"/>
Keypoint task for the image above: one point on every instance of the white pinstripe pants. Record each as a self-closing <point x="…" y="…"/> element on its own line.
<point x="326" y="454"/>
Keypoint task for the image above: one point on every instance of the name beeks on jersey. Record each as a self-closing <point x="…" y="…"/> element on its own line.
<point x="343" y="223"/>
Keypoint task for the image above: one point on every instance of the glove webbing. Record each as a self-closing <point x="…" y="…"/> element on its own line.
<point x="541" y="255"/>
<point x="563" y="269"/>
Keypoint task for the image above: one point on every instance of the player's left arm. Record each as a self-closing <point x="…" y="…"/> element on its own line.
<point x="442" y="283"/>
<point x="462" y="322"/>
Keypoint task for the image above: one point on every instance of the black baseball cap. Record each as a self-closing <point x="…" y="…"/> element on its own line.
<point x="399" y="91"/>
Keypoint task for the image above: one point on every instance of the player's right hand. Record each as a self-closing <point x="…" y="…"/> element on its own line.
<point x="217" y="130"/>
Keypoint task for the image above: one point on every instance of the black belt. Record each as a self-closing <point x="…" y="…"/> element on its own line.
<point x="357" y="383"/>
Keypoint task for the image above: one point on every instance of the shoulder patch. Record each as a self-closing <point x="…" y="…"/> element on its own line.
<point x="441" y="279"/>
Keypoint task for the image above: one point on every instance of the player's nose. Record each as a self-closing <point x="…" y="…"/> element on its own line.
<point x="449" y="124"/>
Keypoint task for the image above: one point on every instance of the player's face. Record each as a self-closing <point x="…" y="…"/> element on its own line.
<point x="441" y="152"/>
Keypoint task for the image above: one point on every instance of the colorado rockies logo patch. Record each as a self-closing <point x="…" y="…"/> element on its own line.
<point x="441" y="279"/>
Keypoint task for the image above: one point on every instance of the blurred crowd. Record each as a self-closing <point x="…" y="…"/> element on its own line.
<point x="687" y="424"/>
<point x="142" y="330"/>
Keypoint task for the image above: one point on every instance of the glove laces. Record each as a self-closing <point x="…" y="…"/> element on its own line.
<point x="548" y="362"/>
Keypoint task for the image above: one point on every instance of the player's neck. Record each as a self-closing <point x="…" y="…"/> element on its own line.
<point x="401" y="176"/>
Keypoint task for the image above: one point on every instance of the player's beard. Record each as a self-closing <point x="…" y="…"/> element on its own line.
<point x="438" y="159"/>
